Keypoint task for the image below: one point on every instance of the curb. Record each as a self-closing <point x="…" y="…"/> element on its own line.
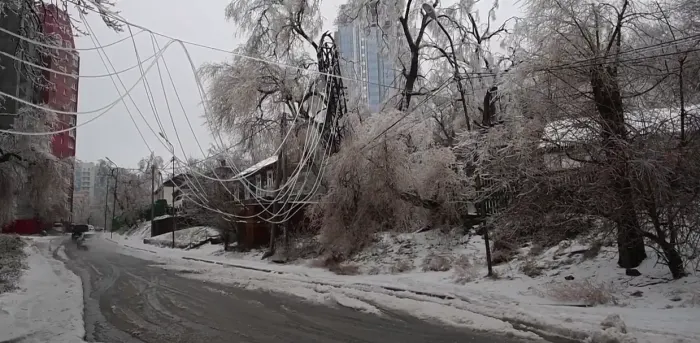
<point x="232" y="265"/>
<point x="146" y="250"/>
<point x="387" y="288"/>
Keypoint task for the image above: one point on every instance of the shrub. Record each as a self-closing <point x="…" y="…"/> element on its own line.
<point x="587" y="292"/>
<point x="402" y="266"/>
<point x="463" y="270"/>
<point x="530" y="268"/>
<point x="389" y="184"/>
<point x="436" y="263"/>
<point x="11" y="261"/>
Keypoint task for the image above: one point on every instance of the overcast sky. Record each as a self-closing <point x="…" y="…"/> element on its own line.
<point x="114" y="134"/>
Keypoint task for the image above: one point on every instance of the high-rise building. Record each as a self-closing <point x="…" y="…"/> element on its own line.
<point x="85" y="179"/>
<point x="62" y="91"/>
<point x="20" y="80"/>
<point x="359" y="41"/>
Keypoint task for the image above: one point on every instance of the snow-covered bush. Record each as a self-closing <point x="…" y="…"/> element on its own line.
<point x="464" y="270"/>
<point x="11" y="261"/>
<point x="386" y="182"/>
<point x="586" y="292"/>
<point x="436" y="263"/>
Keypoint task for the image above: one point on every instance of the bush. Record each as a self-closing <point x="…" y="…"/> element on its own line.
<point x="402" y="266"/>
<point x="587" y="292"/>
<point x="391" y="184"/>
<point x="530" y="268"/>
<point x="436" y="263"/>
<point x="463" y="270"/>
<point x="12" y="262"/>
<point x="334" y="265"/>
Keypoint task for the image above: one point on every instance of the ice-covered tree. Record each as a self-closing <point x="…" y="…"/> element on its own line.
<point x="29" y="168"/>
<point x="599" y="100"/>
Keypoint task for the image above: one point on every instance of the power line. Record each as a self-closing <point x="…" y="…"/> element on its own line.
<point x="104" y="110"/>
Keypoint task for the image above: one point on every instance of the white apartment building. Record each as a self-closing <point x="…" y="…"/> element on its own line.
<point x="85" y="177"/>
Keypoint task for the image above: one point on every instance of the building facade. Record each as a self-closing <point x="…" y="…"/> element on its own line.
<point x="62" y="92"/>
<point x="18" y="79"/>
<point x="359" y="41"/>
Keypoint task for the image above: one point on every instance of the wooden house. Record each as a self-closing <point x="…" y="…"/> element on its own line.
<point x="259" y="206"/>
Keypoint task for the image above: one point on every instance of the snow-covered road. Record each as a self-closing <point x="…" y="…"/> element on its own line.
<point x="132" y="299"/>
<point x="497" y="305"/>
<point x="48" y="307"/>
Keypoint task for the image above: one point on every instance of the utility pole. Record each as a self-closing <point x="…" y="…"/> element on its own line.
<point x="173" y="197"/>
<point x="283" y="178"/>
<point x="153" y="191"/>
<point x="279" y="176"/>
<point x="106" y="204"/>
<point x="114" y="202"/>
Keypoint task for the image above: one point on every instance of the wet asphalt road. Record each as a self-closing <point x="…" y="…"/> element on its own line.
<point x="132" y="300"/>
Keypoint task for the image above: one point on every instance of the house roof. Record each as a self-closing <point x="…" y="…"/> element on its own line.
<point x="179" y="180"/>
<point x="256" y="167"/>
<point x="639" y="122"/>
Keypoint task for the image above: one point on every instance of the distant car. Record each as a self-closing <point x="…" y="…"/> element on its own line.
<point x="79" y="230"/>
<point x="91" y="228"/>
<point x="58" y="227"/>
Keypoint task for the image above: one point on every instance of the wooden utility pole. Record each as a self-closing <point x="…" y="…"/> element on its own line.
<point x="114" y="202"/>
<point x="279" y="176"/>
<point x="173" y="198"/>
<point x="106" y="204"/>
<point x="153" y="193"/>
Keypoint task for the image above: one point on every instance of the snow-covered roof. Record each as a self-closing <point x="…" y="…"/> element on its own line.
<point x="586" y="129"/>
<point x="180" y="180"/>
<point x="260" y="165"/>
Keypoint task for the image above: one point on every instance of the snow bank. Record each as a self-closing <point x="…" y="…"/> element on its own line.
<point x="48" y="307"/>
<point x="185" y="238"/>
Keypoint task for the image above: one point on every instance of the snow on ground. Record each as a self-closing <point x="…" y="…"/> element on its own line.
<point x="442" y="275"/>
<point x="185" y="238"/>
<point x="48" y="306"/>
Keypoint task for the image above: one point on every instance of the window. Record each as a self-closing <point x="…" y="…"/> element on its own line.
<point x="246" y="194"/>
<point x="71" y="133"/>
<point x="237" y="191"/>
<point x="73" y="98"/>
<point x="258" y="185"/>
<point x="270" y="180"/>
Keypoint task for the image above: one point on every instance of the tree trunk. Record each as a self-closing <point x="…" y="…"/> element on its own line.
<point x="630" y="243"/>
<point x="608" y="100"/>
<point x="675" y="262"/>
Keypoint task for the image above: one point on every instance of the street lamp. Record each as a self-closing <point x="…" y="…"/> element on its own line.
<point x="172" y="180"/>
